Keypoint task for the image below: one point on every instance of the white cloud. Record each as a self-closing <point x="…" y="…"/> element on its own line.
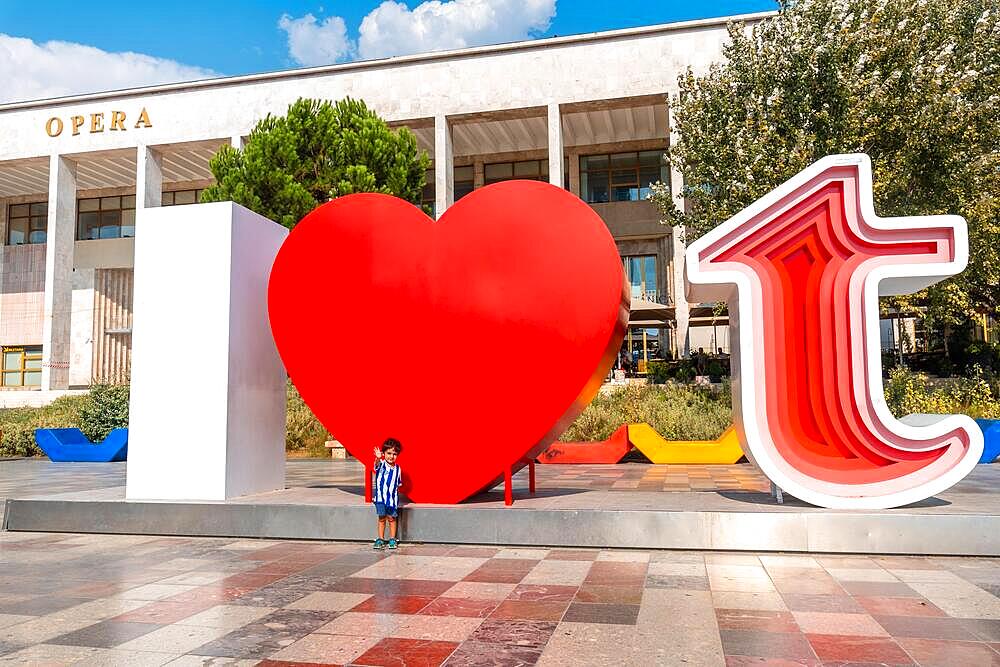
<point x="313" y="43"/>
<point x="35" y="71"/>
<point x="393" y="29"/>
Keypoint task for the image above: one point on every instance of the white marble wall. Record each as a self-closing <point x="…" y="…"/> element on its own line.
<point x="57" y="299"/>
<point x="22" y="302"/>
<point x="81" y="337"/>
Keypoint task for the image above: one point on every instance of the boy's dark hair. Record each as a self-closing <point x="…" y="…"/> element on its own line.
<point x="392" y="443"/>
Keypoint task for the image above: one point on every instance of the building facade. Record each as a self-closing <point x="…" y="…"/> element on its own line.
<point x="589" y="113"/>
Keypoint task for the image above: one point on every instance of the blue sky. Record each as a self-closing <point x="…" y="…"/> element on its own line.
<point x="185" y="40"/>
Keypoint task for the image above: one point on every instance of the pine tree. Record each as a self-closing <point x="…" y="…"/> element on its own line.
<point x="317" y="151"/>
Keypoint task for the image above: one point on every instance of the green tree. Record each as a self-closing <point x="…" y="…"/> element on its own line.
<point x="316" y="152"/>
<point x="106" y="409"/>
<point x="913" y="83"/>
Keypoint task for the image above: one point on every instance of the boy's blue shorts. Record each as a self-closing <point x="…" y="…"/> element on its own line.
<point x="382" y="510"/>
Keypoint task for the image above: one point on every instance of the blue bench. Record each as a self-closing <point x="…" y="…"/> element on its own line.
<point x="70" y="444"/>
<point x="991" y="439"/>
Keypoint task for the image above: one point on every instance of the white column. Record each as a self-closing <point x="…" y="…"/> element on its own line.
<point x="148" y="177"/>
<point x="3" y="240"/>
<point x="237" y="141"/>
<point x="555" y="146"/>
<point x="60" y="238"/>
<point x="233" y="437"/>
<point x="682" y="309"/>
<point x="444" y="166"/>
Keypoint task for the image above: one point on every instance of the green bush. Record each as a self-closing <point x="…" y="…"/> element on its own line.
<point x="685" y="372"/>
<point x="715" y="371"/>
<point x="659" y="372"/>
<point x="106" y="409"/>
<point x="19" y="440"/>
<point x="985" y="355"/>
<point x="677" y="412"/>
<point x="907" y="393"/>
<point x="18" y="424"/>
<point x="304" y="432"/>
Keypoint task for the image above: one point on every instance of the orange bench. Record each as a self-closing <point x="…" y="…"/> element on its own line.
<point x="611" y="450"/>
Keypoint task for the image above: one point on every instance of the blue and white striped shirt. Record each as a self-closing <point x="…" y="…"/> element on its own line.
<point x="387" y="481"/>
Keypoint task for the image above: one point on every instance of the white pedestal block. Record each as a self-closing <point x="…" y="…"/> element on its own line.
<point x="207" y="410"/>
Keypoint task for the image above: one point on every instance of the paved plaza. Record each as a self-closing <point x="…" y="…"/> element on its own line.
<point x="24" y="478"/>
<point x="150" y="600"/>
<point x="102" y="600"/>
<point x="126" y="600"/>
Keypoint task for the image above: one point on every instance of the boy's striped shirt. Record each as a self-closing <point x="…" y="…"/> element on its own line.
<point x="387" y="481"/>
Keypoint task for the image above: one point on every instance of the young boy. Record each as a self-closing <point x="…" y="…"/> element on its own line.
<point x="388" y="477"/>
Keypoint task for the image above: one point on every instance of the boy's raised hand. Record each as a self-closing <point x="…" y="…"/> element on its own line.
<point x="378" y="454"/>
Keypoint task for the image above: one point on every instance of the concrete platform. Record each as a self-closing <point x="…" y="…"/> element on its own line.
<point x="623" y="505"/>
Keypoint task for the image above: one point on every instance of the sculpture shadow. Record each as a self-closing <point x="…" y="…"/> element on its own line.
<point x="353" y="489"/>
<point x="491" y="496"/>
<point x="496" y="495"/>
<point x="933" y="501"/>
<point x="761" y="498"/>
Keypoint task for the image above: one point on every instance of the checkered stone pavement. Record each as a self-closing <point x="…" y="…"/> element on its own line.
<point x="128" y="600"/>
<point x="643" y="477"/>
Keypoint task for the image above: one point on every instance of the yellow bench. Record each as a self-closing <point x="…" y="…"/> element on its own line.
<point x="725" y="450"/>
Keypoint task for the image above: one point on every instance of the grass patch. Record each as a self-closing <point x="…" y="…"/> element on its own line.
<point x="676" y="411"/>
<point x="18" y="424"/>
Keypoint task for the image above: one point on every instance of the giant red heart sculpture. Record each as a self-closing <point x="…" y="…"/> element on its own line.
<point x="474" y="340"/>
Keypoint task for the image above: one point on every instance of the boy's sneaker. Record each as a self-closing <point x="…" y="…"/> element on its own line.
<point x="392" y="543"/>
<point x="379" y="544"/>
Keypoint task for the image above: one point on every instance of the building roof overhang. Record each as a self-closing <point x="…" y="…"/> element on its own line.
<point x="455" y="54"/>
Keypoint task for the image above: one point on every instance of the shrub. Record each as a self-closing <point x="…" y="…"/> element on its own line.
<point x="64" y="412"/>
<point x="677" y="412"/>
<point x="304" y="432"/>
<point x="986" y="355"/>
<point x="19" y="440"/>
<point x="685" y="372"/>
<point x="715" y="371"/>
<point x="19" y="424"/>
<point x="907" y="393"/>
<point x="106" y="409"/>
<point x="659" y="372"/>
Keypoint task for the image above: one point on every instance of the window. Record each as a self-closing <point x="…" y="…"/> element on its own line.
<point x="465" y="181"/>
<point x="22" y="366"/>
<point x="641" y="273"/>
<point x="621" y="176"/>
<point x="179" y="197"/>
<point x="530" y="170"/>
<point x="105" y="218"/>
<point x="26" y="223"/>
<point x="643" y="344"/>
